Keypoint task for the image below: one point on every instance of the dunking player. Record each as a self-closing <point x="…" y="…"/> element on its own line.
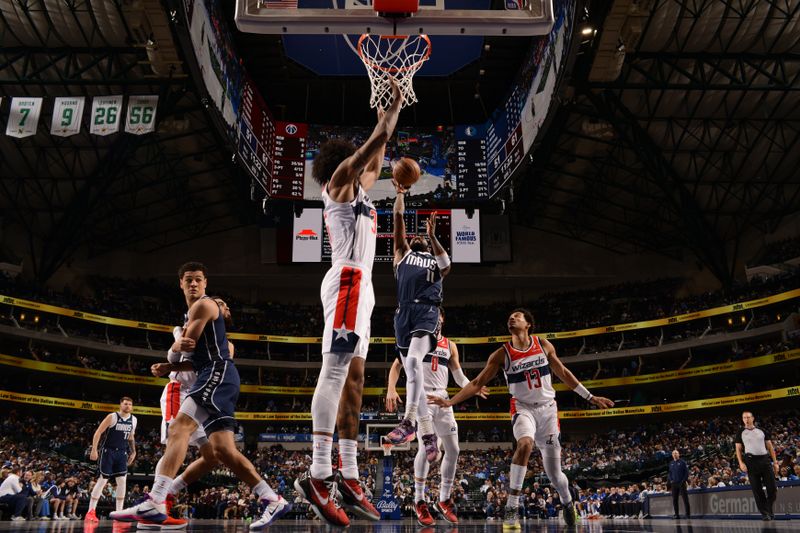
<point x="436" y="369"/>
<point x="346" y="174"/>
<point x="210" y="403"/>
<point x="416" y="322"/>
<point x="117" y="431"/>
<point x="527" y="362"/>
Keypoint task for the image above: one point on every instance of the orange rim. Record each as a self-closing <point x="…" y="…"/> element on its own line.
<point x="368" y="61"/>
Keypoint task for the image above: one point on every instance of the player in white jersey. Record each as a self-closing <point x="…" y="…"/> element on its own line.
<point x="527" y="362"/>
<point x="436" y="369"/>
<point x="346" y="174"/>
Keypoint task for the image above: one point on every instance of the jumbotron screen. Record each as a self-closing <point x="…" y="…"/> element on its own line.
<point x="457" y="230"/>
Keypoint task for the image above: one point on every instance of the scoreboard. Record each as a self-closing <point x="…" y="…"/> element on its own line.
<point x="288" y="171"/>
<point x="256" y="137"/>
<point x="471" y="176"/>
<point x="415" y="225"/>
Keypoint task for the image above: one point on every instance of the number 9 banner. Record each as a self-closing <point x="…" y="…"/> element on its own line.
<point x="67" y="116"/>
<point x="141" y="116"/>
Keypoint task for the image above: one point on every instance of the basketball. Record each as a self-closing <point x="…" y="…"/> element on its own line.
<point x="406" y="172"/>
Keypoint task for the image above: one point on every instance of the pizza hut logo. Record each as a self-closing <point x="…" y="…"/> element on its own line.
<point x="306" y="235"/>
<point x="291" y="129"/>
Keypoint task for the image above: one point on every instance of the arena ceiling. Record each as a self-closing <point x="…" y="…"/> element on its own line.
<point x="678" y="130"/>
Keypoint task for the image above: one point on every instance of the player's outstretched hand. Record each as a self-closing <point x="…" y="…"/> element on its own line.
<point x="441" y="402"/>
<point x="484" y="393"/>
<point x="601" y="402"/>
<point x="392" y="400"/>
<point x="160" y="369"/>
<point x="399" y="189"/>
<point x="430" y="225"/>
<point x="397" y="96"/>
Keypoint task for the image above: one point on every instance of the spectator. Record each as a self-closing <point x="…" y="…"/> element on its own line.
<point x="13" y="494"/>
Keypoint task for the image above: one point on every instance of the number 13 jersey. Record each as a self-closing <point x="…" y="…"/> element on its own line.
<point x="528" y="373"/>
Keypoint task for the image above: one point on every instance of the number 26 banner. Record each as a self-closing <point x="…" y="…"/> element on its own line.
<point x="24" y="116"/>
<point x="67" y="116"/>
<point x="105" y="115"/>
<point x="141" y="117"/>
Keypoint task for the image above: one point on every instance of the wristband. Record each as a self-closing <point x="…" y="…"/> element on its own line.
<point x="583" y="392"/>
<point x="460" y="378"/>
<point x="443" y="261"/>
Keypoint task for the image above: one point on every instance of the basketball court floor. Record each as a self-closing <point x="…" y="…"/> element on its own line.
<point x="409" y="526"/>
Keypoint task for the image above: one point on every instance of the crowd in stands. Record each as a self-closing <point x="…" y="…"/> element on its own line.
<point x="50" y="456"/>
<point x="153" y="301"/>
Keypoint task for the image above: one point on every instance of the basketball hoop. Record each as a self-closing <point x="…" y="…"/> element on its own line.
<point x="387" y="447"/>
<point x="393" y="57"/>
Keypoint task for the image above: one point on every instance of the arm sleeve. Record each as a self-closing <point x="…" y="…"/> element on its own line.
<point x="738" y="439"/>
<point x="767" y="436"/>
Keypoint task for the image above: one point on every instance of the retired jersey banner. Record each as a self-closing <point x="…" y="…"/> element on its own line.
<point x="106" y="112"/>
<point x="67" y="116"/>
<point x="141" y="116"/>
<point x="24" y="116"/>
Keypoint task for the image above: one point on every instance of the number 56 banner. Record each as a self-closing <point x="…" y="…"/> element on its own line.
<point x="141" y="114"/>
<point x="24" y="116"/>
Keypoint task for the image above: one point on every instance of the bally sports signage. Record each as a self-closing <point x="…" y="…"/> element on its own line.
<point x="307" y="237"/>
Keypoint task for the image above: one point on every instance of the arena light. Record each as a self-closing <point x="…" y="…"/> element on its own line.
<point x="588" y="30"/>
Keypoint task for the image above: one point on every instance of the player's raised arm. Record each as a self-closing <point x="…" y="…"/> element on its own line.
<point x="442" y="259"/>
<point x="493" y="366"/>
<point x="104" y="425"/>
<point x="458" y="373"/>
<point x="401" y="246"/>
<point x="392" y="398"/>
<point x="372" y="171"/>
<point x="340" y="187"/>
<point x="569" y="379"/>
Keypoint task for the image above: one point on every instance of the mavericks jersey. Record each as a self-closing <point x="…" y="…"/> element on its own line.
<point x="436" y="366"/>
<point x="212" y="345"/>
<point x="118" y="433"/>
<point x="418" y="279"/>
<point x="528" y="374"/>
<point x="352" y="228"/>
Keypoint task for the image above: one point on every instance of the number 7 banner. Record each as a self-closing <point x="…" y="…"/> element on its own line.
<point x="141" y="117"/>
<point x="24" y="116"/>
<point x="67" y="116"/>
<point x="105" y="115"/>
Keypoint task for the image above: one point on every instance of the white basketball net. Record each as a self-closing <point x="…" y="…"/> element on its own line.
<point x="393" y="57"/>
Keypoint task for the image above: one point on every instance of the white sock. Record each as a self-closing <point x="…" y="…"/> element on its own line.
<point x="265" y="492"/>
<point x="178" y="484"/>
<point x="321" y="467"/>
<point x="348" y="453"/>
<point x="513" y="501"/>
<point x="121" y="485"/>
<point x="425" y="425"/>
<point x="517" y="477"/>
<point x="552" y="467"/>
<point x="448" y="466"/>
<point x="97" y="492"/>
<point x="160" y="489"/>
<point x="419" y="491"/>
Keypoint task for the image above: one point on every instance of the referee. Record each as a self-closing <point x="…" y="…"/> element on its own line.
<point x="756" y="457"/>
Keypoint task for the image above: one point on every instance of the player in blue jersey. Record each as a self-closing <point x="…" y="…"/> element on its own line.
<point x="114" y="444"/>
<point x="210" y="403"/>
<point x="419" y="276"/>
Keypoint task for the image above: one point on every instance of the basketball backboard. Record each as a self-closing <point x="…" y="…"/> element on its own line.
<point x="434" y="17"/>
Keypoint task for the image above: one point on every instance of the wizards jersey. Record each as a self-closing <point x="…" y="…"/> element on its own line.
<point x="528" y="373"/>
